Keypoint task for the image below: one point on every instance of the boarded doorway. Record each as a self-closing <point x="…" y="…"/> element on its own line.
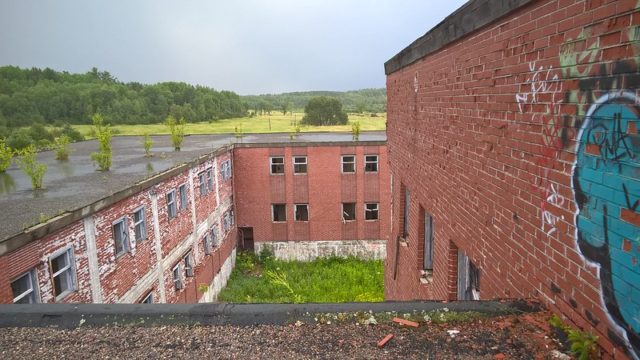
<point x="246" y="238"/>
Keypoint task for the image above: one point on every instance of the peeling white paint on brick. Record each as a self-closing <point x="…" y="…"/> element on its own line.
<point x="220" y="280"/>
<point x="310" y="250"/>
<point x="92" y="254"/>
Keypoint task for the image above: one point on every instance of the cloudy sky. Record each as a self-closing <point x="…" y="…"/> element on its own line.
<point x="247" y="46"/>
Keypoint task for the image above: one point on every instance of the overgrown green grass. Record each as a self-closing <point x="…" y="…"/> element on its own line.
<point x="258" y="124"/>
<point x="259" y="279"/>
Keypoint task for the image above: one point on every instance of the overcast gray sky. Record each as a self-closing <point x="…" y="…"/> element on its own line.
<point x="247" y="46"/>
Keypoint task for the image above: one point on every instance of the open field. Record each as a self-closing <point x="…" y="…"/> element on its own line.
<point x="266" y="280"/>
<point x="259" y="124"/>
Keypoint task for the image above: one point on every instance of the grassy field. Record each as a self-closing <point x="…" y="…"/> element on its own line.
<point x="258" y="124"/>
<point x="262" y="279"/>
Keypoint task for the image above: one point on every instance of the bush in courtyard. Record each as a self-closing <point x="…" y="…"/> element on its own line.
<point x="104" y="135"/>
<point x="148" y="143"/>
<point x="28" y="163"/>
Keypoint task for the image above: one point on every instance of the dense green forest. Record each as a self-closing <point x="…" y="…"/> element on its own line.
<point x="355" y="101"/>
<point x="47" y="96"/>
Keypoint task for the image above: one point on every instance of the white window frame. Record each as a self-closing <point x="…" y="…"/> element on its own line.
<point x="299" y="164"/>
<point x="171" y="204"/>
<point x="295" y="212"/>
<point x="69" y="269"/>
<point x="215" y="236"/>
<point x="210" y="180"/>
<point x="344" y="213"/>
<point x="368" y="162"/>
<point x="272" y="164"/>
<point x="184" y="201"/>
<point x="143" y="222"/>
<point x="126" y="246"/>
<point x="343" y="163"/>
<point x="208" y="243"/>
<point x="225" y="170"/>
<point x="189" y="264"/>
<point x="31" y="293"/>
<point x="376" y="210"/>
<point x="178" y="282"/>
<point x="202" y="179"/>
<point x="273" y="213"/>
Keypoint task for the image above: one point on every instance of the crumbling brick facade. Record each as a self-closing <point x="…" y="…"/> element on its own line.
<point x="516" y="130"/>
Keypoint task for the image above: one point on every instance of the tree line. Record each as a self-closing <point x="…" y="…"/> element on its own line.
<point x="355" y="101"/>
<point x="46" y="96"/>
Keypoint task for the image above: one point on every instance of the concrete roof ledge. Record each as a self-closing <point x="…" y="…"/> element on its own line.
<point x="68" y="316"/>
<point x="468" y="18"/>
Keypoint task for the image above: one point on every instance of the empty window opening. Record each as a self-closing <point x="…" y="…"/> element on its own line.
<point x="348" y="211"/>
<point x="300" y="165"/>
<point x="25" y="289"/>
<point x="371" y="211"/>
<point x="406" y="200"/>
<point x="147" y="299"/>
<point x="139" y="224"/>
<point x="371" y="163"/>
<point x="279" y="212"/>
<point x="208" y="244"/>
<point x="277" y="165"/>
<point x="171" y="204"/>
<point x="348" y="163"/>
<point x="120" y="236"/>
<point x="227" y="220"/>
<point x="215" y="238"/>
<point x="183" y="196"/>
<point x="203" y="183"/>
<point x="302" y="212"/>
<point x="468" y="278"/>
<point x="210" y="179"/>
<point x="177" y="277"/>
<point x="188" y="264"/>
<point x="62" y="274"/>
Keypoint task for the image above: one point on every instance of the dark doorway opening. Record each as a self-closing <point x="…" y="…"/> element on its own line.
<point x="246" y="238"/>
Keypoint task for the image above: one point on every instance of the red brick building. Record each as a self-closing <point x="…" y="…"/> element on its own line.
<point x="314" y="199"/>
<point x="168" y="233"/>
<point x="513" y="149"/>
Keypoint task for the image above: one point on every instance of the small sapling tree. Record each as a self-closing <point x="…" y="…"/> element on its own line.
<point x="355" y="130"/>
<point x="176" y="128"/>
<point x="148" y="143"/>
<point x="28" y="163"/>
<point x="6" y="154"/>
<point x="103" y="134"/>
<point x="62" y="147"/>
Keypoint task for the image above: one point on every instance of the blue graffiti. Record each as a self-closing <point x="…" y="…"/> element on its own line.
<point x="606" y="180"/>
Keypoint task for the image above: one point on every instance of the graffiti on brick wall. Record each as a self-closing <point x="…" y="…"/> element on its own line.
<point x="602" y="114"/>
<point x="606" y="178"/>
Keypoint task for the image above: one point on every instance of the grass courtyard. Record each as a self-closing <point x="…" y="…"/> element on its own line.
<point x="263" y="279"/>
<point x="276" y="123"/>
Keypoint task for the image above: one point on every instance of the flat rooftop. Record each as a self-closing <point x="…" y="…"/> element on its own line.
<point x="76" y="183"/>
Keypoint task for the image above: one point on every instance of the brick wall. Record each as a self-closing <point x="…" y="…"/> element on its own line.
<point x="324" y="188"/>
<point x="519" y="138"/>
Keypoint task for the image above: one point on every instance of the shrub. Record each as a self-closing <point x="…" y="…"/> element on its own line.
<point x="62" y="147"/>
<point x="28" y="163"/>
<point x="72" y="133"/>
<point x="147" y="142"/>
<point x="355" y="130"/>
<point x="176" y="128"/>
<point x="104" y="135"/>
<point x="6" y="154"/>
<point x="38" y="132"/>
<point x="19" y="139"/>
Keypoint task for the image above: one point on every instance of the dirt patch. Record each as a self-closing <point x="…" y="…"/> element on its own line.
<point x="504" y="337"/>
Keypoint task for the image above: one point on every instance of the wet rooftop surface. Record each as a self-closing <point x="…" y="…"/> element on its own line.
<point x="73" y="184"/>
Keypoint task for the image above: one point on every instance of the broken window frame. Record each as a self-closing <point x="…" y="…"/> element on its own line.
<point x="297" y="212"/>
<point x="276" y="165"/>
<point x="67" y="272"/>
<point x="182" y="190"/>
<point x="202" y="178"/>
<point x="348" y="214"/>
<point x="284" y="213"/>
<point x="121" y="236"/>
<point x="349" y="164"/>
<point x="372" y="208"/>
<point x="140" y="226"/>
<point x="178" y="282"/>
<point x="172" y="210"/>
<point x="31" y="293"/>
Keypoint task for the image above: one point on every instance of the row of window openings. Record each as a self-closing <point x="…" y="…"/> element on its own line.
<point x="347" y="164"/>
<point x="468" y="273"/>
<point x="25" y="287"/>
<point x="301" y="212"/>
<point x="206" y="177"/>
